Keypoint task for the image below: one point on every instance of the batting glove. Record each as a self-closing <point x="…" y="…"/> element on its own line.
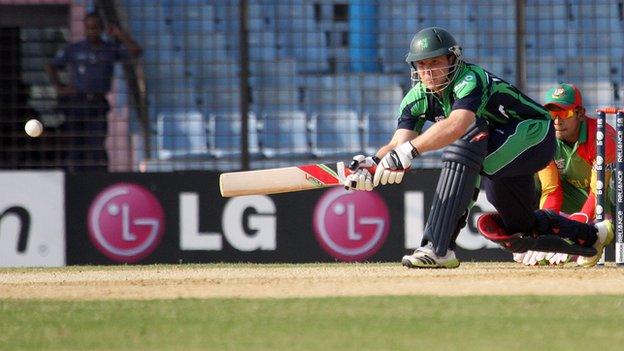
<point x="361" y="178"/>
<point x="392" y="166"/>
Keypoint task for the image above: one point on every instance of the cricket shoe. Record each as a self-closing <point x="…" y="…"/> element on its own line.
<point x="425" y="257"/>
<point x="605" y="237"/>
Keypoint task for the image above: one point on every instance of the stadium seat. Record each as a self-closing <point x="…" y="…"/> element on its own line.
<point x="205" y="48"/>
<point x="331" y="92"/>
<point x="262" y="46"/>
<point x="274" y="98"/>
<point x="335" y="133"/>
<point x="597" y="94"/>
<point x="379" y="128"/>
<point x="284" y="133"/>
<point x="383" y="98"/>
<point x="281" y="73"/>
<point x="224" y="130"/>
<point x="181" y="134"/>
<point x="311" y="57"/>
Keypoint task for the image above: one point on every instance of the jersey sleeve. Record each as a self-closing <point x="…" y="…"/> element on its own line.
<point x="468" y="92"/>
<point x="412" y="111"/>
<point x="552" y="192"/>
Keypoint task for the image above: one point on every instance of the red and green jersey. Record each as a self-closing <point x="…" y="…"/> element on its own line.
<point x="568" y="183"/>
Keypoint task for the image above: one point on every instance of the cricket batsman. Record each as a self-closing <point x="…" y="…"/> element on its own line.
<point x="494" y="135"/>
<point x="568" y="183"/>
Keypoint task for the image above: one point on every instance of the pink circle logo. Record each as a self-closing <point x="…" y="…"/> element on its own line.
<point x="351" y="225"/>
<point x="126" y="222"/>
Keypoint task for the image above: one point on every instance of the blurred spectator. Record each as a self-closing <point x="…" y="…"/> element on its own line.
<point x="90" y="64"/>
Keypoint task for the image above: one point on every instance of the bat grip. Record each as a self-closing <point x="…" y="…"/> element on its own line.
<point x="354" y="165"/>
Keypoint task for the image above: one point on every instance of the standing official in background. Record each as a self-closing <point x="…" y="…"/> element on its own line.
<point x="489" y="129"/>
<point x="90" y="66"/>
<point x="568" y="183"/>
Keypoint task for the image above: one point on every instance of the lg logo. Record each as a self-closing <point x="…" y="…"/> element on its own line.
<point x="248" y="224"/>
<point x="351" y="226"/>
<point x="126" y="222"/>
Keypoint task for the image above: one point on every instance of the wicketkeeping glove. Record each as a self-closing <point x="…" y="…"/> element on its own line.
<point x="361" y="178"/>
<point x="392" y="166"/>
<point x="534" y="258"/>
<point x="556" y="258"/>
<point x="519" y="256"/>
<point x="537" y="258"/>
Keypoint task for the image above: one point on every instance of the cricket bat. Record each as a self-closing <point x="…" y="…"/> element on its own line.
<point x="283" y="180"/>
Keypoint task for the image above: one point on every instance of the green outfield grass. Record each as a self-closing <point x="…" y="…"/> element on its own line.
<point x="361" y="323"/>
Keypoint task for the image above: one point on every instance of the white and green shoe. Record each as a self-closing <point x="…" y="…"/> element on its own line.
<point x="425" y="257"/>
<point x="605" y="237"/>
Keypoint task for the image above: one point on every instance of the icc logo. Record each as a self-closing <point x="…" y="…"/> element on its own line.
<point x="351" y="226"/>
<point x="126" y="222"/>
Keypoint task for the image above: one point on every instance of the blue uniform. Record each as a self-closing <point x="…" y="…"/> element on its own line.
<point x="90" y="68"/>
<point x="90" y="71"/>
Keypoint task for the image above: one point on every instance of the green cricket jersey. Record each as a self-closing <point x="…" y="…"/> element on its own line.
<point x="489" y="97"/>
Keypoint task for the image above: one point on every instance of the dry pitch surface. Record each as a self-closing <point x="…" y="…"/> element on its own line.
<point x="311" y="280"/>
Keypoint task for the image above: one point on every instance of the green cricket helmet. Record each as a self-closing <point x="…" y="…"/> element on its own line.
<point x="433" y="42"/>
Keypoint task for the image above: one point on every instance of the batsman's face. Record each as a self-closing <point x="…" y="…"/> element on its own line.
<point x="433" y="72"/>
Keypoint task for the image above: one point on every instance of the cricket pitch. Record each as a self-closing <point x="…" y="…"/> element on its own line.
<point x="306" y="280"/>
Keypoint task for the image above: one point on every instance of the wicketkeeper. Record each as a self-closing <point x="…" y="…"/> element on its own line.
<point x="569" y="182"/>
<point x="494" y="135"/>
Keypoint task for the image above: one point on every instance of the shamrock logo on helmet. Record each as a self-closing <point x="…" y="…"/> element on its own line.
<point x="423" y="43"/>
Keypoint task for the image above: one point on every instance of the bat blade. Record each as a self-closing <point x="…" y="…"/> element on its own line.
<point x="282" y="180"/>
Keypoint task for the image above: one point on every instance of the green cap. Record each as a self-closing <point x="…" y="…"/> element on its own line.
<point x="565" y="96"/>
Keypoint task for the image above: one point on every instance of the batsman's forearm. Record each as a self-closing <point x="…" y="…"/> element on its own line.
<point x="440" y="134"/>
<point x="384" y="150"/>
